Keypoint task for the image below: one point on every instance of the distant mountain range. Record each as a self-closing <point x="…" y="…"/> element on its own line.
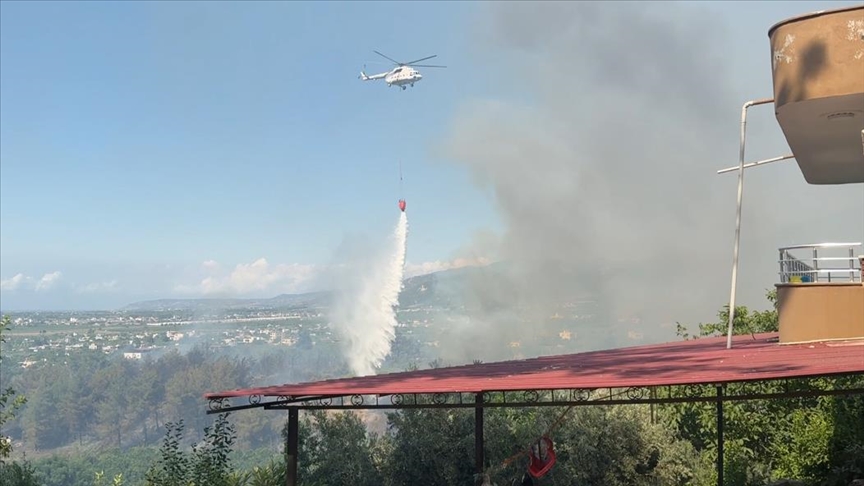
<point x="441" y="289"/>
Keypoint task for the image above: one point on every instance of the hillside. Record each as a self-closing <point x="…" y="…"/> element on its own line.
<point x="439" y="289"/>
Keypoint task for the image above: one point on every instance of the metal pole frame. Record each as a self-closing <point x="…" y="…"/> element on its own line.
<point x="691" y="393"/>
<point x="661" y="394"/>
<point x="720" y="424"/>
<point x="291" y="447"/>
<point x="479" y="442"/>
<point x="754" y="164"/>
<point x="741" y="167"/>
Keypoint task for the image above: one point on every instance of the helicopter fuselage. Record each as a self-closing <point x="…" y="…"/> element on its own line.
<point x="403" y="76"/>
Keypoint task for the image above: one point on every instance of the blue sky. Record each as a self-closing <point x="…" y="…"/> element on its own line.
<point x="140" y="140"/>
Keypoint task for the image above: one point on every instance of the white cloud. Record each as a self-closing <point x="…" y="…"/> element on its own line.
<point x="256" y="277"/>
<point x="48" y="280"/>
<point x="22" y="282"/>
<point x="13" y="283"/>
<point x="212" y="278"/>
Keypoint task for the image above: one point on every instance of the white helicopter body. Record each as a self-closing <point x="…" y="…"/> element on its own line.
<point x="403" y="75"/>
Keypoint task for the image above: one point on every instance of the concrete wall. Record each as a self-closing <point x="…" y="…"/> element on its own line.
<point x="818" y="56"/>
<point x="820" y="311"/>
<point x="818" y="72"/>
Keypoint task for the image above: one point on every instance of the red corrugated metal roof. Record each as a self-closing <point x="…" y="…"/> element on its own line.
<point x="697" y="361"/>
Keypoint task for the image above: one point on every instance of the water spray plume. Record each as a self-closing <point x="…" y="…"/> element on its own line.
<point x="366" y="315"/>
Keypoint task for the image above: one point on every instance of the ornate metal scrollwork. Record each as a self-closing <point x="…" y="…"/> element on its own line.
<point x="357" y="400"/>
<point x="396" y="399"/>
<point x="254" y="399"/>
<point x="581" y="395"/>
<point x="326" y="401"/>
<point x="531" y="396"/>
<point x="636" y="393"/>
<point x="215" y="404"/>
<point x="439" y="398"/>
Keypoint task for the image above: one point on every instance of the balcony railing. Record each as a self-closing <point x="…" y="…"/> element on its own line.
<point x="823" y="263"/>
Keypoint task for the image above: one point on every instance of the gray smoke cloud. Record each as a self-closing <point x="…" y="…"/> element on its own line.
<point x="605" y="173"/>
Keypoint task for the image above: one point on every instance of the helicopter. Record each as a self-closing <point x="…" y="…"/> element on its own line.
<point x="403" y="75"/>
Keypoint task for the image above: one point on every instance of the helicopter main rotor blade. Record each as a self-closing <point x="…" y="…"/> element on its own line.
<point x="422" y="59"/>
<point x="427" y="65"/>
<point x="389" y="59"/>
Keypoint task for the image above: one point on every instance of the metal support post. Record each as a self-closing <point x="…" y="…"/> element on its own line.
<point x="719" y="435"/>
<point x="291" y="447"/>
<point x="479" y="460"/>
<point x="738" y="213"/>
<point x="757" y="163"/>
<point x="653" y="396"/>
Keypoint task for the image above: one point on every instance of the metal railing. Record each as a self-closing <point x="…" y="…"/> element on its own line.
<point x="824" y="267"/>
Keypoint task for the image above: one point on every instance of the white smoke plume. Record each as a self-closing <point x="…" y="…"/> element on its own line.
<point x="600" y="144"/>
<point x="602" y="170"/>
<point x="366" y="297"/>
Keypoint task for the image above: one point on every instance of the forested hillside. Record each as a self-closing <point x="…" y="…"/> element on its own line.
<point x="143" y="420"/>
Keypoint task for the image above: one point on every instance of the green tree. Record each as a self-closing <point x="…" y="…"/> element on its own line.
<point x="207" y="464"/>
<point x="172" y="467"/>
<point x="14" y="474"/>
<point x="10" y="400"/>
<point x="11" y="473"/>
<point x="100" y="479"/>
<point x="808" y="439"/>
<point x="430" y="446"/>
<point x="745" y="321"/>
<point x="337" y="450"/>
<point x="211" y="463"/>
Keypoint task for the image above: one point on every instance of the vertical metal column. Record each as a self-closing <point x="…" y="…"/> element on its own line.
<point x="479" y="460"/>
<point x="816" y="266"/>
<point x="291" y="447"/>
<point x="719" y="435"/>
<point x="653" y="396"/>
<point x="738" y="214"/>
